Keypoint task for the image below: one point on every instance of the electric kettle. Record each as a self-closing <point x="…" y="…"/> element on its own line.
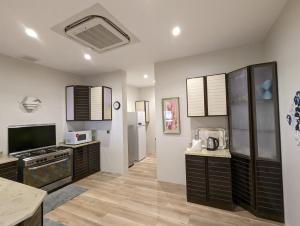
<point x="212" y="143"/>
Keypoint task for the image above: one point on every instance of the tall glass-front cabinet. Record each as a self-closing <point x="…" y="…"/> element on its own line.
<point x="255" y="140"/>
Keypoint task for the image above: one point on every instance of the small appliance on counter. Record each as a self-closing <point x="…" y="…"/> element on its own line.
<point x="78" y="137"/>
<point x="212" y="138"/>
<point x="212" y="144"/>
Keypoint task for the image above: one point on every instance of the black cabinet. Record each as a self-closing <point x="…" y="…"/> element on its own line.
<point x="9" y="170"/>
<point x="208" y="181"/>
<point x="86" y="160"/>
<point x="255" y="140"/>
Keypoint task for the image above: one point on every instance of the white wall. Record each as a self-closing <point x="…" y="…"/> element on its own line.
<point x="147" y="93"/>
<point x="283" y="46"/>
<point x="19" y="79"/>
<point x="170" y="82"/>
<point x="114" y="146"/>
<point x="132" y="96"/>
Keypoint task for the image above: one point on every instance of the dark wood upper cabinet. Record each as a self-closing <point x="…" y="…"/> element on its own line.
<point x="206" y="96"/>
<point x="86" y="103"/>
<point x="255" y="140"/>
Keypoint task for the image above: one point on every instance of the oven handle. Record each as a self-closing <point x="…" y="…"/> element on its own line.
<point x="49" y="164"/>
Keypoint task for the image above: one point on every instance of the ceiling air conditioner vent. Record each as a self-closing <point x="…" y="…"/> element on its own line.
<point x="98" y="33"/>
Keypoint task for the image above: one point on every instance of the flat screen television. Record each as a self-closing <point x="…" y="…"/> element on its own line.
<point x="23" y="138"/>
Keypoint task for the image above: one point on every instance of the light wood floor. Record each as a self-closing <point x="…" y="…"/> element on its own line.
<point x="139" y="199"/>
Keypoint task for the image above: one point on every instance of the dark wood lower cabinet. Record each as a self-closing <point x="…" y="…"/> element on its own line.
<point x="269" y="191"/>
<point x="209" y="181"/>
<point x="9" y="170"/>
<point x="35" y="220"/>
<point x="258" y="189"/>
<point x="86" y="161"/>
<point x="242" y="182"/>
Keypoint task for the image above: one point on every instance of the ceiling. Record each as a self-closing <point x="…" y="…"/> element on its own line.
<point x="207" y="25"/>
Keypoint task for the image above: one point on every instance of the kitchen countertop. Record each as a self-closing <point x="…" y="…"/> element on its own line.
<point x="77" y="145"/>
<point x="18" y="202"/>
<point x="6" y="159"/>
<point x="225" y="153"/>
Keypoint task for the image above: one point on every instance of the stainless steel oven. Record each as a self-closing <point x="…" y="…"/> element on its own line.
<point x="50" y="170"/>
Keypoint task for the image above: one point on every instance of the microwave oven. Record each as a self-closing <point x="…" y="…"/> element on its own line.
<point x="78" y="137"/>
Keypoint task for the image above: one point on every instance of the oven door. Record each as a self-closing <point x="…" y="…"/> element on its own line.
<point x="47" y="173"/>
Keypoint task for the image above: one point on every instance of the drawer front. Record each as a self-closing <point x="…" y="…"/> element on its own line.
<point x="9" y="170"/>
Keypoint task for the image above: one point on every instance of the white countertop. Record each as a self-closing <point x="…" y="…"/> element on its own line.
<point x="18" y="202"/>
<point x="6" y="159"/>
<point x="77" y="145"/>
<point x="224" y="153"/>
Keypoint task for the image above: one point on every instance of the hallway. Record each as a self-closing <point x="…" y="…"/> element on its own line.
<point x="138" y="199"/>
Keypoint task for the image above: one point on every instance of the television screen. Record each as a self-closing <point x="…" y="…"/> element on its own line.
<point x="22" y="138"/>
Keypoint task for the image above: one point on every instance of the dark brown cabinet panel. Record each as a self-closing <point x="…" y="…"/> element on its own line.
<point x="81" y="162"/>
<point x="86" y="161"/>
<point x="208" y="181"/>
<point x="9" y="170"/>
<point x="81" y="103"/>
<point x="255" y="140"/>
<point x="94" y="158"/>
<point x="219" y="182"/>
<point x="35" y="220"/>
<point x="196" y="184"/>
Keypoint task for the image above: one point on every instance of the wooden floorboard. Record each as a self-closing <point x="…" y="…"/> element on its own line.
<point x="137" y="198"/>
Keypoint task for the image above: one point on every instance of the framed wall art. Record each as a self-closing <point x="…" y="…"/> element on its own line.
<point x="171" y="115"/>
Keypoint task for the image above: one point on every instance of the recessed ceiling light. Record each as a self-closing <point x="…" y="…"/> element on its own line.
<point x="145" y="76"/>
<point x="87" y="56"/>
<point x="31" y="33"/>
<point x="176" y="31"/>
<point x="153" y="81"/>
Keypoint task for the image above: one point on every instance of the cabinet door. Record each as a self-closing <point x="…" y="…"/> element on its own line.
<point x="80" y="163"/>
<point x="140" y="106"/>
<point x="147" y="111"/>
<point x="107" y="103"/>
<point x="96" y="103"/>
<point x="94" y="158"/>
<point x="9" y="170"/>
<point x="196" y="179"/>
<point x="81" y="103"/>
<point x="216" y="95"/>
<point x="239" y="116"/>
<point x="219" y="182"/>
<point x="265" y="108"/>
<point x="195" y="97"/>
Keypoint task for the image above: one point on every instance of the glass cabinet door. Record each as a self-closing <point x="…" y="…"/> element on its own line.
<point x="265" y="107"/>
<point x="107" y="103"/>
<point x="239" y="112"/>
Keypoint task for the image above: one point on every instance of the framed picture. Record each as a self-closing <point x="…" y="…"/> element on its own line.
<point x="171" y="115"/>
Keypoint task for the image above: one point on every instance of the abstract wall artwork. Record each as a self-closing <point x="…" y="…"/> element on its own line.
<point x="293" y="118"/>
<point x="171" y="117"/>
